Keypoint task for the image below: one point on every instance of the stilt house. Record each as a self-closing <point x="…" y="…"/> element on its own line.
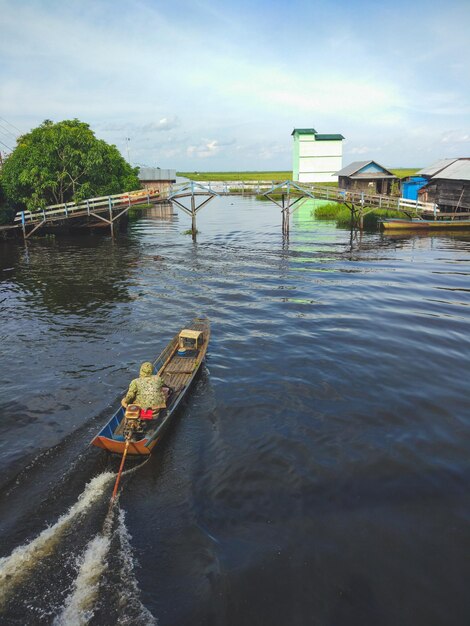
<point x="366" y="176"/>
<point x="156" y="178"/>
<point x="448" y="184"/>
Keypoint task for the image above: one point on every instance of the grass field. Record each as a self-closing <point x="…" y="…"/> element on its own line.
<point x="276" y="176"/>
<point x="401" y="172"/>
<point x="238" y="176"/>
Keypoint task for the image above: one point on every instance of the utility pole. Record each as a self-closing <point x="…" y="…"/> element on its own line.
<point x="128" y="155"/>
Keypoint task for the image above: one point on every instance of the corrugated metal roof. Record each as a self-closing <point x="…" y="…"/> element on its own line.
<point x="354" y="167"/>
<point x="456" y="169"/>
<point x="304" y="131"/>
<point x="155" y="173"/>
<point x="435" y="167"/>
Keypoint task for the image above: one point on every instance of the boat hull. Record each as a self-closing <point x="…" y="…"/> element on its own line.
<point x="174" y="371"/>
<point x="398" y="224"/>
<point x="136" y="448"/>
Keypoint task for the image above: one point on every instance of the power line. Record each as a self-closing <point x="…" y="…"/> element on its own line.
<point x="12" y="125"/>
<point x="4" y="144"/>
<point x="8" y="131"/>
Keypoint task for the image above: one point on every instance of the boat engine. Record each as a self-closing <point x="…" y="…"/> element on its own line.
<point x="132" y="425"/>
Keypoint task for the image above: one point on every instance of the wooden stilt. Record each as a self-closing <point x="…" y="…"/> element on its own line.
<point x="361" y="213"/>
<point x="287" y="212"/>
<point x="35" y="229"/>
<point x="23" y="225"/>
<point x="193" y="218"/>
<point x="286" y="204"/>
<point x="191" y="190"/>
<point x="111" y="226"/>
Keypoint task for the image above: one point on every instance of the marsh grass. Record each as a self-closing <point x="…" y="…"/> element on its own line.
<point x="342" y="215"/>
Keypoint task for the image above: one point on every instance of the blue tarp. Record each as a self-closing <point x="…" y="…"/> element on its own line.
<point x="411" y="187"/>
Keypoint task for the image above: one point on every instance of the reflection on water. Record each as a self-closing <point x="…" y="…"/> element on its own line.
<point x="319" y="470"/>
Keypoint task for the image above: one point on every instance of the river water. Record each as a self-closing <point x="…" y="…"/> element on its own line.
<point x="319" y="470"/>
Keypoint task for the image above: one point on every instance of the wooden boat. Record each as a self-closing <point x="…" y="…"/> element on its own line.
<point x="419" y="224"/>
<point x="178" y="365"/>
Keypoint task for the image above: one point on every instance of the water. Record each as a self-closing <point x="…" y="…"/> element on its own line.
<point x="318" y="473"/>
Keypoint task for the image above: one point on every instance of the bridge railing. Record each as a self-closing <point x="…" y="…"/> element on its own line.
<point x="322" y="192"/>
<point x="370" y="200"/>
<point x="87" y="207"/>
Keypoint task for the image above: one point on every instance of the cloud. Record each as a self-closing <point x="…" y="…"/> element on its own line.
<point x="165" y="123"/>
<point x="270" y="151"/>
<point x="112" y="127"/>
<point x="363" y="150"/>
<point x="130" y="72"/>
<point x="455" y="136"/>
<point x="208" y="148"/>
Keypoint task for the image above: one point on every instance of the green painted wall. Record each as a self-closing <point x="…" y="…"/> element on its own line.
<point x="295" y="166"/>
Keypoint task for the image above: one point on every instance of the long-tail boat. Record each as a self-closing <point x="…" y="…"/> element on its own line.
<point x="130" y="429"/>
<point x="420" y="224"/>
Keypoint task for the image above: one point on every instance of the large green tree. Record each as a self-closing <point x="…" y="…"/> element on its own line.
<point x="56" y="163"/>
<point x="5" y="212"/>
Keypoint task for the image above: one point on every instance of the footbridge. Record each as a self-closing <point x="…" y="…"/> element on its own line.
<point x="290" y="195"/>
<point x="191" y="197"/>
<point x="105" y="209"/>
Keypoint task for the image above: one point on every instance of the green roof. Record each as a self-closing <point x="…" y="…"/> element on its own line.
<point x="327" y="137"/>
<point x="304" y="131"/>
<point x="318" y="136"/>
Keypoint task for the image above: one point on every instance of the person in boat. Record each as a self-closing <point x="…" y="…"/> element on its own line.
<point x="146" y="391"/>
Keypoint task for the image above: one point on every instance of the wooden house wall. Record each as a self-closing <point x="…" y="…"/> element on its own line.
<point x="448" y="194"/>
<point x="378" y="186"/>
<point x="163" y="186"/>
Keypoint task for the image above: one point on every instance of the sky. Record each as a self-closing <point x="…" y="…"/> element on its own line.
<point x="217" y="86"/>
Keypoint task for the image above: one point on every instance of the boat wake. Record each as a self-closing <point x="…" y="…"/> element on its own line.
<point x="83" y="601"/>
<point x="104" y="565"/>
<point x="79" y="605"/>
<point x="131" y="609"/>
<point x="14" y="568"/>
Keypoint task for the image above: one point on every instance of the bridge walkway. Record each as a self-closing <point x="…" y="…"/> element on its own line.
<point x="109" y="208"/>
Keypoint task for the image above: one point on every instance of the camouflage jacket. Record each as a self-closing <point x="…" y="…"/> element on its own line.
<point x="146" y="391"/>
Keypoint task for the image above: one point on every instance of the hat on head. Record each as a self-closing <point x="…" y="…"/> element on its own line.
<point x="146" y="369"/>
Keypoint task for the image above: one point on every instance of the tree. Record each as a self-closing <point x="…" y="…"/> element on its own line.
<point x="5" y="213"/>
<point x="63" y="162"/>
